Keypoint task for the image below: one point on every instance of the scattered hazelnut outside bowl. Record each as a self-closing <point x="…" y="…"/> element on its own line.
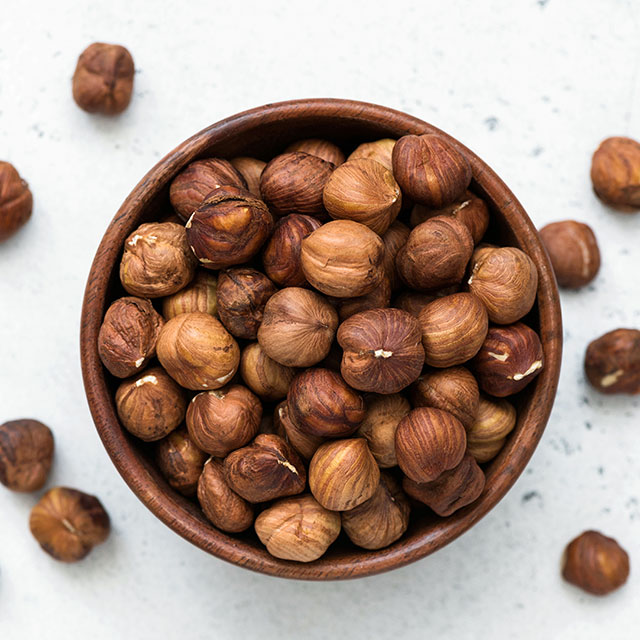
<point x="262" y="133"/>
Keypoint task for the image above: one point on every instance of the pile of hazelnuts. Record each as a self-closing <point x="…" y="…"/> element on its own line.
<point x="334" y="335"/>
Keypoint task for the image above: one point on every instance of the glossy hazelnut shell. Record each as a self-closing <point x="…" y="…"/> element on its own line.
<point x="495" y="420"/>
<point x="612" y="362"/>
<point x="16" y="201"/>
<point x="394" y="238"/>
<point x="180" y="461"/>
<point x="267" y="378"/>
<point x="324" y="149"/>
<point x="304" y="443"/>
<point x="379" y="150"/>
<point x="251" y="170"/>
<point x="198" y="295"/>
<point x="615" y="173"/>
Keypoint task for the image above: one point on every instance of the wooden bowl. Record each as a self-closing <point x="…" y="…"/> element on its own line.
<point x="264" y="132"/>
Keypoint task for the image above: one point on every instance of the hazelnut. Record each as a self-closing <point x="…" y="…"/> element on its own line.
<point x="199" y="295"/>
<point x="453" y="329"/>
<point x="394" y="239"/>
<point x="224" y="508"/>
<point x="428" y="443"/>
<point x="297" y="529"/>
<point x="281" y="257"/>
<point x="430" y="170"/>
<point x="454" y="390"/>
<point x="251" y="170"/>
<point x="452" y="490"/>
<point x="297" y="327"/>
<point x="197" y="351"/>
<point x="413" y="302"/>
<point x="16" y="201"/>
<point x="151" y="405"/>
<point x="26" y="454"/>
<point x="343" y="474"/>
<point x="180" y="461"/>
<point x="436" y="254"/>
<point x="305" y="444"/>
<point x="320" y="148"/>
<point x="382" y="350"/>
<point x="343" y="259"/>
<point x="380" y="520"/>
<point x="103" y="79"/>
<point x="157" y="260"/>
<point x="364" y="191"/>
<point x="264" y="376"/>
<point x="595" y="563"/>
<point x="494" y="421"/>
<point x="574" y="253"/>
<point x="506" y="280"/>
<point x="469" y="209"/>
<point x="198" y="179"/>
<point x="242" y="295"/>
<point x="267" y="469"/>
<point x="612" y="362"/>
<point x="68" y="523"/>
<point x="379" y="298"/>
<point x="379" y="150"/>
<point x="379" y="426"/>
<point x="615" y="173"/>
<point x="223" y="420"/>
<point x="293" y="183"/>
<point x="509" y="359"/>
<point x="128" y="336"/>
<point x="228" y="229"/>
<point x="321" y="404"/>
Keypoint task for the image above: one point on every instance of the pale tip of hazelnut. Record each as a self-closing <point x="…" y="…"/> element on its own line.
<point x="534" y="367"/>
<point x="288" y="465"/>
<point x="381" y="353"/>
<point x="503" y="357"/>
<point x="138" y="362"/>
<point x="144" y="380"/>
<point x="134" y="241"/>
<point x="611" y="378"/>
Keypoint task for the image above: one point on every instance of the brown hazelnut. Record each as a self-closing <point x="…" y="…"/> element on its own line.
<point x="199" y="295"/>
<point x="293" y="183"/>
<point x="436" y="254"/>
<point x="321" y="148"/>
<point x="379" y="298"/>
<point x="430" y="170"/>
<point x="453" y="329"/>
<point x="343" y="474"/>
<point x="615" y="173"/>
<point x="428" y="443"/>
<point x="151" y="405"/>
<point x="394" y="239"/>
<point x="223" y="420"/>
<point x="180" y="461"/>
<point x="281" y="257"/>
<point x="297" y="529"/>
<point x="506" y="280"/>
<point x="26" y="454"/>
<point x="413" y="302"/>
<point x="226" y="229"/>
<point x="494" y="421"/>
<point x="595" y="563"/>
<point x="574" y="253"/>
<point x="453" y="490"/>
<point x="382" y="350"/>
<point x="509" y="359"/>
<point x="612" y="362"/>
<point x="222" y="506"/>
<point x="251" y="170"/>
<point x="343" y="259"/>
<point x="380" y="520"/>
<point x="128" y="336"/>
<point x="379" y="150"/>
<point x="321" y="404"/>
<point x="197" y="351"/>
<point x="364" y="191"/>
<point x="469" y="209"/>
<point x="16" y="201"/>
<point x="103" y="79"/>
<point x="305" y="444"/>
<point x="298" y="327"/>
<point x="198" y="179"/>
<point x="157" y="260"/>
<point x="264" y="376"/>
<point x="379" y="426"/>
<point x="242" y="295"/>
<point x="68" y="523"/>
<point x="267" y="469"/>
<point x="454" y="390"/>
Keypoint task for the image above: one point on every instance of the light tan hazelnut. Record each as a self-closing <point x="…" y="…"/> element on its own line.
<point x="378" y="150"/>
<point x="264" y="376"/>
<point x="199" y="295"/>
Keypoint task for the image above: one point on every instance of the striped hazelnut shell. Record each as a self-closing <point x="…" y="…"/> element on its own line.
<point x="180" y="461"/>
<point x="251" y="170"/>
<point x="304" y="443"/>
<point x="494" y="421"/>
<point x="379" y="150"/>
<point x="198" y="295"/>
<point x="324" y="149"/>
<point x="267" y="378"/>
<point x="612" y="362"/>
<point x="615" y="173"/>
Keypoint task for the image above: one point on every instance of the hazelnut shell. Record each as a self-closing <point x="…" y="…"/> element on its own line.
<point x="180" y="461"/>
<point x="615" y="173"/>
<point x="16" y="201"/>
<point x="324" y="149"/>
<point x="267" y="378"/>
<point x="199" y="295"/>
<point x="612" y="362"/>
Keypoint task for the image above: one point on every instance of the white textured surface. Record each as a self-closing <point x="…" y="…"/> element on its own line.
<point x="532" y="86"/>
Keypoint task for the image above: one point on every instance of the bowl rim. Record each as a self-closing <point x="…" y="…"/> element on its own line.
<point x="174" y="510"/>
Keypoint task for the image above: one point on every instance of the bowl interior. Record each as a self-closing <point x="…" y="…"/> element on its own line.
<point x="263" y="133"/>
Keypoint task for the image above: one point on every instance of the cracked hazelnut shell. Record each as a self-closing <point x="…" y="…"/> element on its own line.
<point x="199" y="295"/>
<point x="378" y="150"/>
<point x="495" y="420"/>
<point x="304" y="443"/>
<point x="251" y="170"/>
<point x="16" y="201"/>
<point x="324" y="149"/>
<point x="615" y="173"/>
<point x="612" y="362"/>
<point x="264" y="376"/>
<point x="180" y="461"/>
